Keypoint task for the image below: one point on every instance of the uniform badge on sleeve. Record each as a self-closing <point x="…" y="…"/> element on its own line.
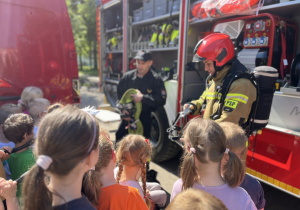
<point x="230" y="105"/>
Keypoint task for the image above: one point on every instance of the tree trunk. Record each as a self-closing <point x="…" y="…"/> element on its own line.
<point x="95" y="56"/>
<point x="90" y="55"/>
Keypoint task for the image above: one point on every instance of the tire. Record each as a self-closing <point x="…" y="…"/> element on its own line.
<point x="162" y="147"/>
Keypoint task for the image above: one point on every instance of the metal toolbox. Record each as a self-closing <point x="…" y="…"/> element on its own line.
<point x="161" y="7"/>
<point x="137" y="15"/>
<point x="148" y="8"/>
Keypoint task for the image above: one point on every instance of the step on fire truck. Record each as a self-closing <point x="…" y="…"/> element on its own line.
<point x="262" y="34"/>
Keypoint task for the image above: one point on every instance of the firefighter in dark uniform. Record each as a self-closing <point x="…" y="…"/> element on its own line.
<point x="151" y="92"/>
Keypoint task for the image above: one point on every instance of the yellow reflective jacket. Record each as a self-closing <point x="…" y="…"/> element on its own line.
<point x="238" y="101"/>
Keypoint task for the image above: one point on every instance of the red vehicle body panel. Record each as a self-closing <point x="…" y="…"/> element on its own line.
<point x="276" y="156"/>
<point x="37" y="49"/>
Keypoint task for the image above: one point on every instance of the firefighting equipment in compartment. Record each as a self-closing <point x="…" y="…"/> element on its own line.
<point x="167" y="73"/>
<point x="197" y="10"/>
<point x="295" y="72"/>
<point x="216" y="47"/>
<point x="263" y="78"/>
<point x="217" y="8"/>
<point x="164" y="36"/>
<point x="114" y="64"/>
<point x="268" y="40"/>
<point x="161" y="41"/>
<point x="175" y="34"/>
<point x="132" y="110"/>
<point x="168" y="33"/>
<point x="112" y="43"/>
<point x="132" y="64"/>
<point x="154" y="38"/>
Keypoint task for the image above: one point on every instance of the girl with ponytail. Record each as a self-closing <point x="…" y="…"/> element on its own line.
<point x="66" y="148"/>
<point x="201" y="167"/>
<point x="100" y="186"/>
<point x="132" y="155"/>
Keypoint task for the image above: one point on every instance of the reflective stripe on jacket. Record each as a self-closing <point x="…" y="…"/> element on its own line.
<point x="238" y="101"/>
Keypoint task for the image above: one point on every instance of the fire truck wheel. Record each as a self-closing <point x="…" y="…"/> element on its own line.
<point x="162" y="148"/>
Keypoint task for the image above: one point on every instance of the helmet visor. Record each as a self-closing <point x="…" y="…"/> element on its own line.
<point x="197" y="58"/>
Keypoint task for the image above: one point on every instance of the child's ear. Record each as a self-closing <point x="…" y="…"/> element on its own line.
<point x="28" y="136"/>
<point x="92" y="158"/>
<point x="114" y="157"/>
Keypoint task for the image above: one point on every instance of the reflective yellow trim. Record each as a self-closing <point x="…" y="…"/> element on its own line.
<point x="296" y="191"/>
<point x="273" y="181"/>
<point x="238" y="94"/>
<point x="237" y="97"/>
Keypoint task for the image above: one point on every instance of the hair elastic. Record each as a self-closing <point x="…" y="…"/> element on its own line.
<point x="112" y="151"/>
<point x="44" y="161"/>
<point x="21" y="102"/>
<point x="226" y="151"/>
<point x="88" y="110"/>
<point x="193" y="150"/>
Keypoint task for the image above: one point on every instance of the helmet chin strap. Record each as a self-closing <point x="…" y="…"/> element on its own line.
<point x="217" y="68"/>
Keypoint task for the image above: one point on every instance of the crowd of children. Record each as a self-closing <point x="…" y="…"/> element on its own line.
<point x="60" y="158"/>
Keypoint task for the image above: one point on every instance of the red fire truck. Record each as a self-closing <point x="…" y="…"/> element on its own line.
<point x="37" y="49"/>
<point x="262" y="34"/>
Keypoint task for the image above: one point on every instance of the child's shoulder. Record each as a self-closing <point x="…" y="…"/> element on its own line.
<point x="178" y="182"/>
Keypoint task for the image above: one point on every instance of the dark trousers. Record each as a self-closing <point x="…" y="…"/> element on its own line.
<point x="145" y="118"/>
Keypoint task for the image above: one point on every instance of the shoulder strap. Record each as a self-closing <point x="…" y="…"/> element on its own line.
<point x="237" y="71"/>
<point x="231" y="78"/>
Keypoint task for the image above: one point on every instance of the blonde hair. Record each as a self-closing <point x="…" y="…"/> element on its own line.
<point x="235" y="136"/>
<point x="37" y="106"/>
<point x="28" y="94"/>
<point x="209" y="142"/>
<point x="134" y="150"/>
<point x="54" y="106"/>
<point x="197" y="200"/>
<point x="91" y="183"/>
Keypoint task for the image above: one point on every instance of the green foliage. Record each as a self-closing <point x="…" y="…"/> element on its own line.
<point x="87" y="71"/>
<point x="83" y="19"/>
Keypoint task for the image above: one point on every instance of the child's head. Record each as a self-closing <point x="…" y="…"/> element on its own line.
<point x="106" y="151"/>
<point x="206" y="142"/>
<point x="68" y="138"/>
<point x="197" y="200"/>
<point x="18" y="127"/>
<point x="38" y="107"/>
<point x="92" y="184"/>
<point x="28" y="94"/>
<point x="12" y="108"/>
<point x="134" y="151"/>
<point x="236" y="139"/>
<point x="4" y="114"/>
<point x="54" y="106"/>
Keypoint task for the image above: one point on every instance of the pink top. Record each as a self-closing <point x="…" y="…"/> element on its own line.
<point x="134" y="184"/>
<point x="234" y="198"/>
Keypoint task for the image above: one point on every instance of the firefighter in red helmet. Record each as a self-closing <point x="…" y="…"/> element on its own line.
<point x="216" y="51"/>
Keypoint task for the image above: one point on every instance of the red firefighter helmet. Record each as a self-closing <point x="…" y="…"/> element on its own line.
<point x="217" y="47"/>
